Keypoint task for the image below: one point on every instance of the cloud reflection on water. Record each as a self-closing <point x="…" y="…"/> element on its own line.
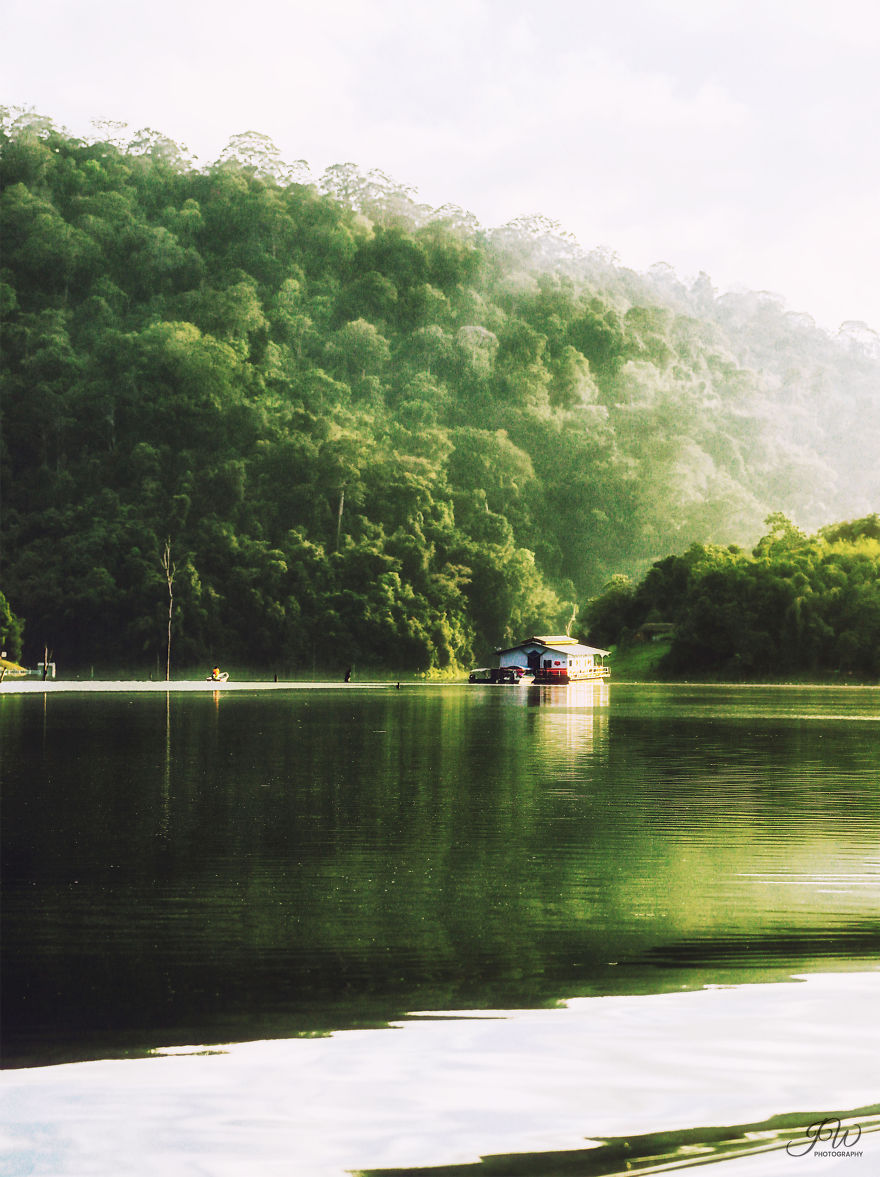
<point x="448" y="1089"/>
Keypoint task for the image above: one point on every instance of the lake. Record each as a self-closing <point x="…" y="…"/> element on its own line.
<point x="324" y="929"/>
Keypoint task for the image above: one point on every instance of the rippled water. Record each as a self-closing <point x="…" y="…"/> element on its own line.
<point x="205" y="867"/>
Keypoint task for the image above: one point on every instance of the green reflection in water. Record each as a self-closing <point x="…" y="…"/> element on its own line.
<point x="663" y="1152"/>
<point x="206" y="867"/>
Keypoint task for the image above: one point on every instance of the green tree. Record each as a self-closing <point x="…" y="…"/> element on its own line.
<point x="11" y="631"/>
<point x="609" y="617"/>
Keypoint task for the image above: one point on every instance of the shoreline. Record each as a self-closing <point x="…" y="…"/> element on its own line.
<point x="97" y="686"/>
<point x="21" y="686"/>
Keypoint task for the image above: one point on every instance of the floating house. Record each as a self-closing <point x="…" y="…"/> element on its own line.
<point x="556" y="659"/>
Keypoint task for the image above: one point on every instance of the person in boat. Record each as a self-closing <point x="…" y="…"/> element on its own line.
<point x="216" y="673"/>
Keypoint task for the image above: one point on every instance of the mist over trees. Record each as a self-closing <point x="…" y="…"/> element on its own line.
<point x="369" y="430"/>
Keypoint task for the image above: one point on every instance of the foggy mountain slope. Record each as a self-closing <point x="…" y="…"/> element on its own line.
<point x="824" y="387"/>
<point x="818" y="392"/>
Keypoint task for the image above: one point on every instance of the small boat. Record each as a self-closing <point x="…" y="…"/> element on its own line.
<point x="218" y="675"/>
<point x="502" y="676"/>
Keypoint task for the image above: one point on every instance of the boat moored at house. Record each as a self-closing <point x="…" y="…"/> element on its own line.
<point x="502" y="676"/>
<point x="558" y="659"/>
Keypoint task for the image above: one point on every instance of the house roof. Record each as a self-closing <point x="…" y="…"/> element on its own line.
<point x="562" y="645"/>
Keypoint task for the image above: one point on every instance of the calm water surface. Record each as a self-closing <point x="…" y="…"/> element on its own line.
<point x="202" y="868"/>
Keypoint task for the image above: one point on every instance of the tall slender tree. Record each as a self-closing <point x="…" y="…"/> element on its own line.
<point x="169" y="568"/>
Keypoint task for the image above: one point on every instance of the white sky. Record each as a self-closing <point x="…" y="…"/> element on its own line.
<point x="739" y="137"/>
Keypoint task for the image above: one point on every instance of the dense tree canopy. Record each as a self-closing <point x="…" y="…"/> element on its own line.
<point x="795" y="605"/>
<point x="372" y="431"/>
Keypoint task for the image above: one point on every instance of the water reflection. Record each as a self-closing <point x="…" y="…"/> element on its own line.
<point x="193" y="867"/>
<point x="617" y="1082"/>
<point x="165" y="822"/>
<point x="569" y="719"/>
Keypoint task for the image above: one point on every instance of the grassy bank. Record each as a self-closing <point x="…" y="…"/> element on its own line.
<point x="641" y="663"/>
<point x="637" y="663"/>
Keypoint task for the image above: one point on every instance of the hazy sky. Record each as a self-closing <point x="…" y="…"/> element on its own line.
<point x="739" y="137"/>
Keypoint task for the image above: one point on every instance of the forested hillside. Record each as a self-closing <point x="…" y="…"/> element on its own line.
<point x="370" y="431"/>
